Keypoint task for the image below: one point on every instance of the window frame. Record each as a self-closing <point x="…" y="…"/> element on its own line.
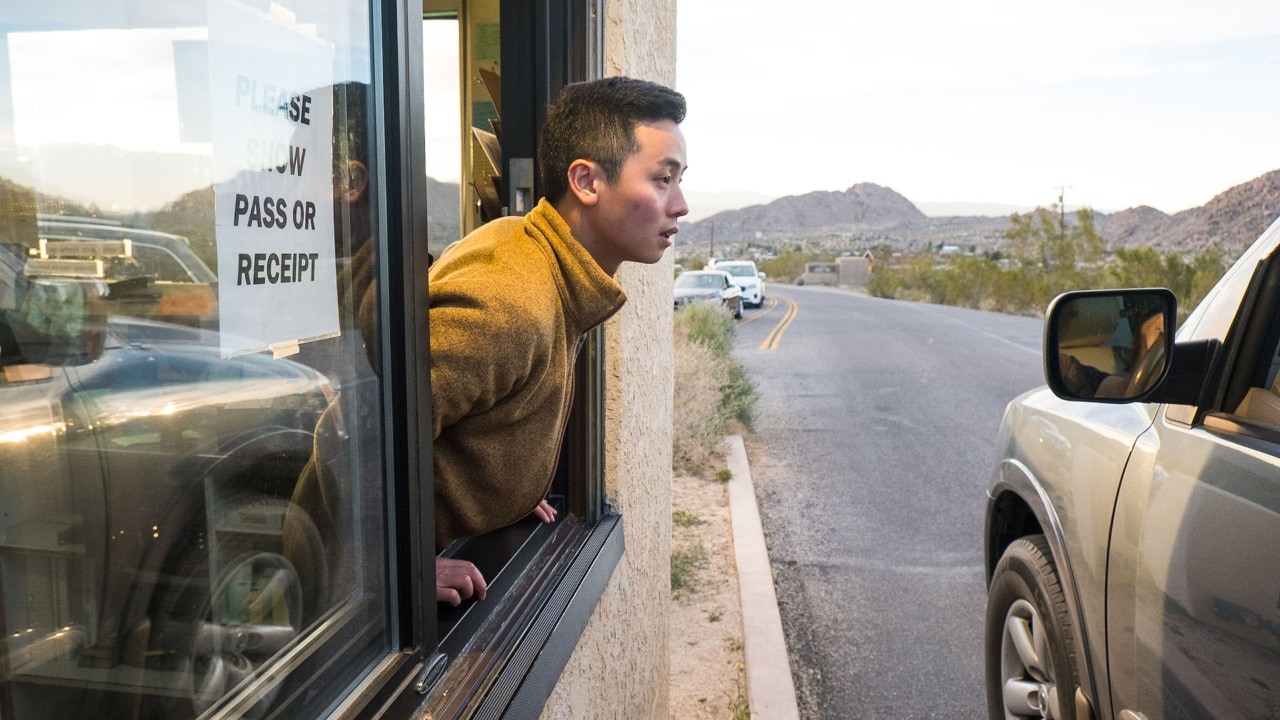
<point x="1224" y="315"/>
<point x="552" y="577"/>
<point x="1252" y="344"/>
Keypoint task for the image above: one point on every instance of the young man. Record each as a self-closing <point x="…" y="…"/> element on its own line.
<point x="510" y="303"/>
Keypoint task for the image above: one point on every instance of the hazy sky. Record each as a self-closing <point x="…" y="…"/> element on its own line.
<point x="1123" y="102"/>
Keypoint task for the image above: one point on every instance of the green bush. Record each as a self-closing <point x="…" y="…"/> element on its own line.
<point x="708" y="325"/>
<point x="713" y="393"/>
<point x="1047" y="257"/>
<point x="786" y="267"/>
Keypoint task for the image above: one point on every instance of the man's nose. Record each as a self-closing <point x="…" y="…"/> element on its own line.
<point x="679" y="207"/>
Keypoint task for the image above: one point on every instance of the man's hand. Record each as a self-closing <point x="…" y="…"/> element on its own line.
<point x="545" y="512"/>
<point x="457" y="580"/>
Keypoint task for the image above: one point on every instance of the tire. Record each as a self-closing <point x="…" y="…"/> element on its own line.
<point x="737" y="310"/>
<point x="1030" y="637"/>
<point x="189" y="643"/>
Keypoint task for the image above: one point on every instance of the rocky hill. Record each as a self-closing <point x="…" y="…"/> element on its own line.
<point x="863" y="208"/>
<point x="870" y="213"/>
<point x="1233" y="219"/>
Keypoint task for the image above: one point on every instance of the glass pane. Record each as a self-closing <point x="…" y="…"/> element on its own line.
<point x="1110" y="345"/>
<point x="191" y="488"/>
<point x="442" y="108"/>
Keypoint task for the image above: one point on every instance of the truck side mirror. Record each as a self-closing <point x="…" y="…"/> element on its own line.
<point x="58" y="322"/>
<point x="1109" y="345"/>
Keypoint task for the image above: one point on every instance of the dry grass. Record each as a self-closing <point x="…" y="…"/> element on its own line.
<point x="712" y="392"/>
<point x="712" y="397"/>
<point x="697" y="425"/>
<point x="708" y="673"/>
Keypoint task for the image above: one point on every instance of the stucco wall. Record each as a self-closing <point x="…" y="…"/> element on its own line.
<point x="619" y="668"/>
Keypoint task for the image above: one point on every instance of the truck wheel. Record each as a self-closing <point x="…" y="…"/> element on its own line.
<point x="211" y="630"/>
<point x="1030" y="638"/>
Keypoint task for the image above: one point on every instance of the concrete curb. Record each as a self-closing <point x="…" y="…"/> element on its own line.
<point x="770" y="689"/>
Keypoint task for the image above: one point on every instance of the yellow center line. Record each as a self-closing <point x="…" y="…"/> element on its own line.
<point x="774" y="337"/>
<point x="769" y="304"/>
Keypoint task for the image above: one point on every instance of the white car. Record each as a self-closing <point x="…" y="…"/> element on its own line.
<point x="708" y="286"/>
<point x="745" y="275"/>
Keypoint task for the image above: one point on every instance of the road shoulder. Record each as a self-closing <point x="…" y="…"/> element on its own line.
<point x="770" y="689"/>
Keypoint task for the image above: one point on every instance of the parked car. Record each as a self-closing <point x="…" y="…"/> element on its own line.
<point x="1133" y="517"/>
<point x="152" y="274"/>
<point x="744" y="274"/>
<point x="708" y="286"/>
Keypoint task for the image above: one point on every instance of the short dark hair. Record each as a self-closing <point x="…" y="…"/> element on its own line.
<point x="596" y="121"/>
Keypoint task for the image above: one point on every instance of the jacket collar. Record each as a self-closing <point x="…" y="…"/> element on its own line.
<point x="590" y="295"/>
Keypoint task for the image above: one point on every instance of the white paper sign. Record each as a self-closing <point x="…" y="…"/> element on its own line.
<point x="272" y="105"/>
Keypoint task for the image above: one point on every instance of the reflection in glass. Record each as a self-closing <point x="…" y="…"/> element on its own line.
<point x="1111" y="346"/>
<point x="162" y="553"/>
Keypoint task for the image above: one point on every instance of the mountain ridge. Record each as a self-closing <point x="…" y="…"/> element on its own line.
<point x="874" y="213"/>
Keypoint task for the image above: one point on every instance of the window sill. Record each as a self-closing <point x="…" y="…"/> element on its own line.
<point x="507" y="653"/>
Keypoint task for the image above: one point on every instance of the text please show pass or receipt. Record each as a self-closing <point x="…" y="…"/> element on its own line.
<point x="272" y="105"/>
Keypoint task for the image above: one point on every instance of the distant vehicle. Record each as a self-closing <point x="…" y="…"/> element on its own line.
<point x="745" y="275"/>
<point x="1134" y="511"/>
<point x="708" y="286"/>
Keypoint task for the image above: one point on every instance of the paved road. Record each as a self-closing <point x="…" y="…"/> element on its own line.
<point x="873" y="443"/>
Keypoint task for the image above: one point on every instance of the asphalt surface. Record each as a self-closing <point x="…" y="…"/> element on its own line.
<point x="870" y="454"/>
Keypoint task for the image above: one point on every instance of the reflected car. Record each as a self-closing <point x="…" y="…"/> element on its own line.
<point x="710" y="286"/>
<point x="744" y="274"/>
<point x="152" y="274"/>
<point x="144" y="481"/>
<point x="1134" y="511"/>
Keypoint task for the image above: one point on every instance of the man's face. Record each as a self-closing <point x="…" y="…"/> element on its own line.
<point x="635" y="219"/>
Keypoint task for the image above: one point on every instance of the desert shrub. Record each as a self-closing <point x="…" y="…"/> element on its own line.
<point x="713" y="392"/>
<point x="708" y="325"/>
<point x="686" y="562"/>
<point x="1048" y="257"/>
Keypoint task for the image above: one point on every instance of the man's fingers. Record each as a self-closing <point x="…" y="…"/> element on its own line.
<point x="457" y="580"/>
<point x="545" y="512"/>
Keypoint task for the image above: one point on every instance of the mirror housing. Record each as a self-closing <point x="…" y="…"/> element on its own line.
<point x="1113" y="346"/>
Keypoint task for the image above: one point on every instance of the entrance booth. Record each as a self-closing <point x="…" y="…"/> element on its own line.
<point x="216" y="219"/>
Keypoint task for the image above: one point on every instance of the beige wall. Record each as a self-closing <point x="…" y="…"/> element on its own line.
<point x="619" y="669"/>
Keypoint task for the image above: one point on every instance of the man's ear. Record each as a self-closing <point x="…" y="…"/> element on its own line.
<point x="354" y="180"/>
<point x="584" y="177"/>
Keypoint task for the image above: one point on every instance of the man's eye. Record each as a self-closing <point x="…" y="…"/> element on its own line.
<point x="665" y="179"/>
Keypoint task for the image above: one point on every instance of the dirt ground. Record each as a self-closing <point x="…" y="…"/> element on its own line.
<point x="707" y="679"/>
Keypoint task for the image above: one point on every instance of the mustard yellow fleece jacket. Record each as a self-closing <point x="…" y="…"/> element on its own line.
<point x="508" y="305"/>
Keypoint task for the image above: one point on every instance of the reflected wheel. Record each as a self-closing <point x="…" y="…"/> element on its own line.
<point x="212" y="630"/>
<point x="1148" y="369"/>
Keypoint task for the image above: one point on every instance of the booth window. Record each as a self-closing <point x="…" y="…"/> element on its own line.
<point x="191" y="425"/>
<point x="491" y="67"/>
<point x="215" y="486"/>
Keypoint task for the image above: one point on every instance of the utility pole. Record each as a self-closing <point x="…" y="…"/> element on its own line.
<point x="1062" y="211"/>
<point x="711" y="254"/>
